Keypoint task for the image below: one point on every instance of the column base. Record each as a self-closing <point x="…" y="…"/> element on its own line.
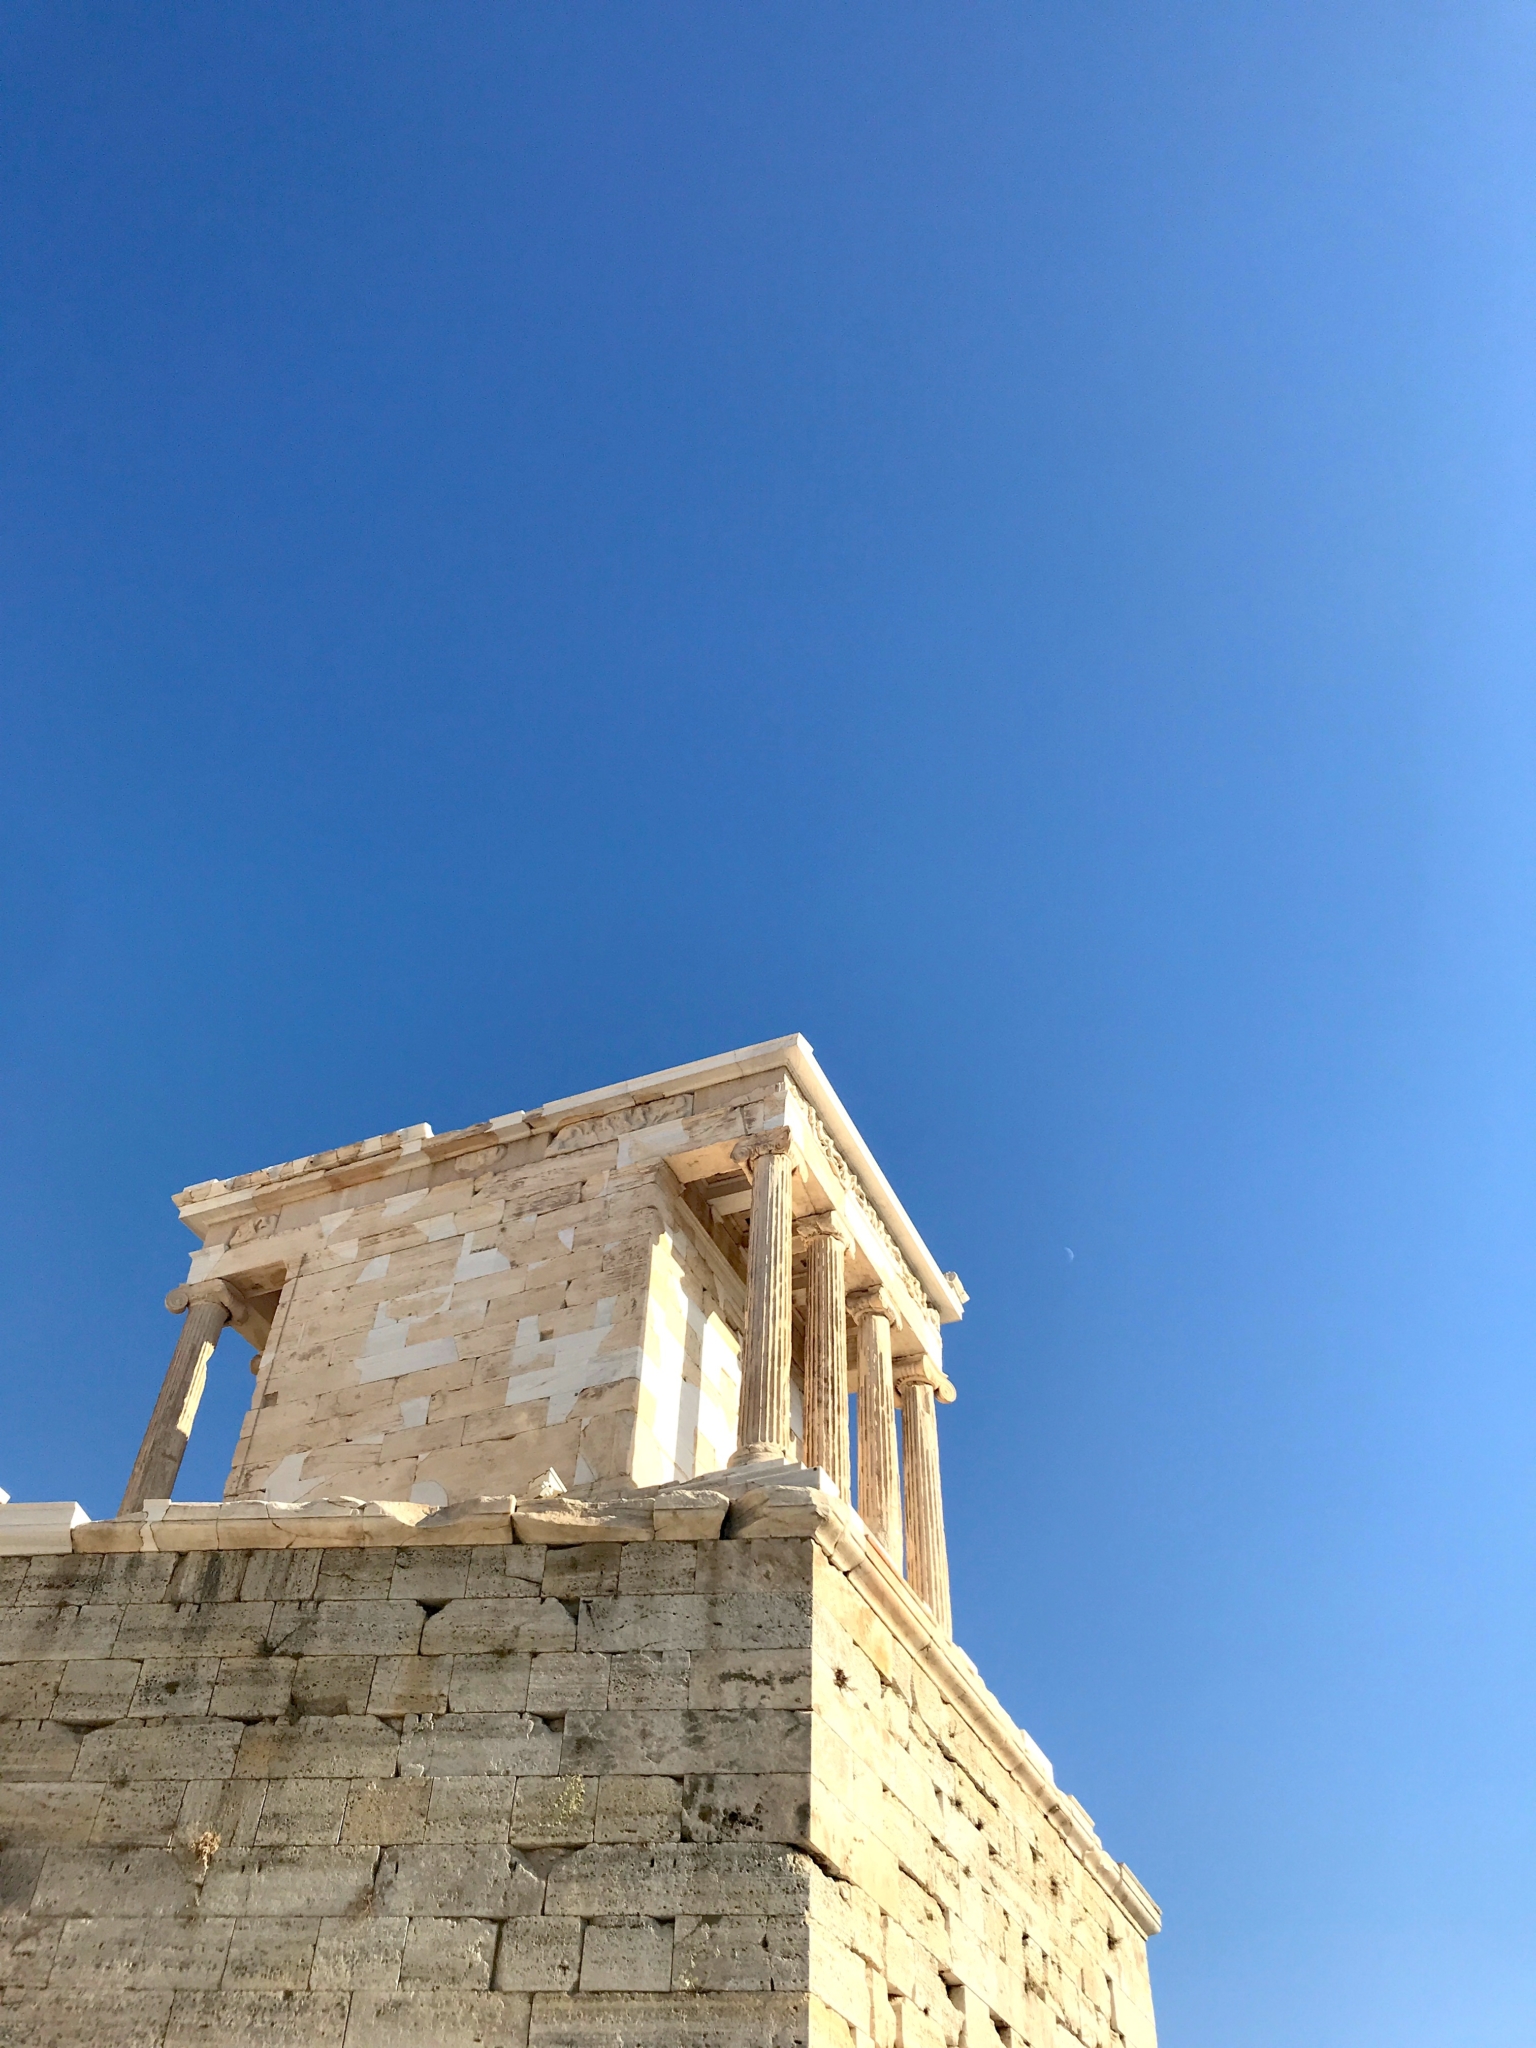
<point x="760" y="1454"/>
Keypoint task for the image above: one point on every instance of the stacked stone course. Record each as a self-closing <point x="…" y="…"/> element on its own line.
<point x="618" y="1793"/>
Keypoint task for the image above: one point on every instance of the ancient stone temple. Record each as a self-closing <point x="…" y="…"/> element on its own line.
<point x="560" y="1669"/>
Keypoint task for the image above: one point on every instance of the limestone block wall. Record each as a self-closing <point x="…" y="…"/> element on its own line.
<point x="466" y="1335"/>
<point x="649" y="1793"/>
<point x="969" y="1897"/>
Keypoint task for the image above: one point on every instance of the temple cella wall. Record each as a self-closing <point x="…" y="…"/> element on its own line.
<point x="547" y="1686"/>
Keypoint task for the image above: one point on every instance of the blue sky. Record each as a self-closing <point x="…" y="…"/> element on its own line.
<point x="540" y="543"/>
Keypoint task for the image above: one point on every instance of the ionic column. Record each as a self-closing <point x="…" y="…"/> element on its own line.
<point x="762" y="1426"/>
<point x="826" y="1349"/>
<point x="879" y="1484"/>
<point x="918" y="1379"/>
<point x="207" y="1306"/>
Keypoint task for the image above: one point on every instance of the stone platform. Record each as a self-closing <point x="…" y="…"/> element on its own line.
<point x="376" y="1781"/>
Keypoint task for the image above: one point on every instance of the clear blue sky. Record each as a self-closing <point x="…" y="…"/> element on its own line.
<point x="543" y="542"/>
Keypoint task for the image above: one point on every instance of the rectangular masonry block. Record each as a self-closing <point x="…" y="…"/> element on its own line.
<point x="387" y="1810"/>
<point x="257" y="2019"/>
<point x="214" y="1628"/>
<point x="69" y="1577"/>
<point x="421" y="2018"/>
<point x="475" y="1882"/>
<point x="469" y="1809"/>
<point x="652" y="1678"/>
<point x="30" y="1527"/>
<point x="94" y="1689"/>
<point x="741" y="1952"/>
<point x="584" y="1571"/>
<point x="770" y="1565"/>
<point x="174" y="1686"/>
<point x="227" y="1807"/>
<point x="494" y="1682"/>
<point x="672" y="1878"/>
<point x="478" y="1626"/>
<point x="359" y="1954"/>
<point x="136" y="1816"/>
<point x="58" y="1632"/>
<point x="79" y="1883"/>
<point x="750" y="1678"/>
<point x="656" y="1740"/>
<point x="318" y="1746"/>
<point x="728" y="1806"/>
<point x="28" y="1691"/>
<point x="652" y="1568"/>
<point x="638" y="1810"/>
<point x="302" y="1812"/>
<point x="37" y="1751"/>
<point x="133" y="1577"/>
<point x="32" y="1812"/>
<point x="73" y="2019"/>
<point x="271" y="1954"/>
<point x="449" y="1953"/>
<point x="480" y="1745"/>
<point x="281" y="1575"/>
<point x="27" y="1950"/>
<point x="664" y="2020"/>
<point x="538" y="1953"/>
<point x="434" y="1574"/>
<point x="561" y="1681"/>
<point x="628" y="1953"/>
<point x="324" y="1882"/>
<point x="410" y="1685"/>
<point x="208" y="1575"/>
<point x="332" y="1685"/>
<point x="505" y="1572"/>
<point x="252" y="1688"/>
<point x="346" y="1628"/>
<point x="553" y="1812"/>
<point x="129" y="1753"/>
<point x="356" y="1574"/>
<point x="142" y="1951"/>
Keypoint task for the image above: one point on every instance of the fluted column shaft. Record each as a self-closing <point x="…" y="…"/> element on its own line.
<point x="826" y="1349"/>
<point x="170" y="1424"/>
<point x="879" y="1483"/>
<point x="762" y="1427"/>
<point x="923" y="1499"/>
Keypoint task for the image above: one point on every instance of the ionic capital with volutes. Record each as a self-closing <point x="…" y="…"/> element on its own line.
<point x="865" y="1302"/>
<point x="762" y="1144"/>
<point x="825" y="1224"/>
<point x="917" y="1369"/>
<point x="230" y="1299"/>
<point x="245" y="1318"/>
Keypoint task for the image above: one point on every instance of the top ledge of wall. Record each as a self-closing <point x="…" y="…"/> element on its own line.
<point x="770" y="1499"/>
<point x="39" y="1528"/>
